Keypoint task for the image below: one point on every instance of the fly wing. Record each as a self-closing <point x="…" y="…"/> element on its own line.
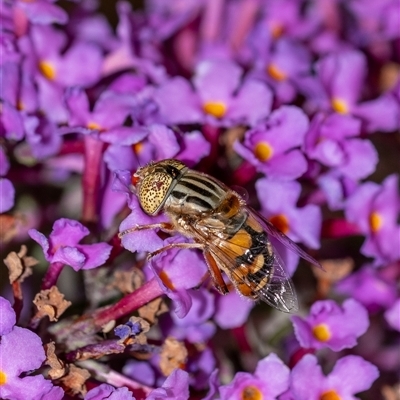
<point x="287" y="242"/>
<point x="254" y="267"/>
<point x="270" y="284"/>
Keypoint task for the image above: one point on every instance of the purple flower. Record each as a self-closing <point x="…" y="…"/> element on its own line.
<point x="350" y="375"/>
<point x="375" y="23"/>
<point x="374" y="209"/>
<point x="329" y="325"/>
<point x="271" y="146"/>
<point x="220" y="97"/>
<point x="288" y="19"/>
<point x="270" y="379"/>
<point x="223" y="310"/>
<point x="171" y="263"/>
<point x="42" y="11"/>
<point x="170" y="266"/>
<point x="155" y="142"/>
<point x="108" y="392"/>
<point x="140" y="371"/>
<point x="7" y="194"/>
<point x="7" y="191"/>
<point x="370" y="287"/>
<point x="392" y="315"/>
<point x="63" y="246"/>
<point x="54" y="69"/>
<point x="135" y="48"/>
<point x="43" y="137"/>
<point x="195" y="326"/>
<point x="201" y="367"/>
<point x="331" y="141"/>
<point x="282" y="67"/>
<point x="176" y="386"/>
<point x="19" y="97"/>
<point x="12" y="125"/>
<point x="336" y="188"/>
<point x="106" y="118"/>
<point x="8" y="317"/>
<point x="112" y="203"/>
<point x="281" y="210"/>
<point x="213" y="383"/>
<point x="21" y="351"/>
<point x="340" y="80"/>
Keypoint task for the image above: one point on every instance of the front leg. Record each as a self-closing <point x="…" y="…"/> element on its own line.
<point x="176" y="246"/>
<point x="165" y="226"/>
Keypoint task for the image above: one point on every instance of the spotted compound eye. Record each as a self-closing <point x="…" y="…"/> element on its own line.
<point x="153" y="191"/>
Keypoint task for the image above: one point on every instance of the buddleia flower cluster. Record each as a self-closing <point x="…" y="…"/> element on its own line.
<point x="297" y="102"/>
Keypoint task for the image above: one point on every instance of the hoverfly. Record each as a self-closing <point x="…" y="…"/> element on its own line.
<point x="234" y="238"/>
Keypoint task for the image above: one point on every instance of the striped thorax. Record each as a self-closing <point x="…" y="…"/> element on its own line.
<point x="171" y="186"/>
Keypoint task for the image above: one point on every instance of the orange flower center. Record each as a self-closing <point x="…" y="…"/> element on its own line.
<point x="215" y="108"/>
<point x="281" y="222"/>
<point x="375" y="221"/>
<point x="47" y="69"/>
<point x="340" y="106"/>
<point x="137" y="147"/>
<point x="321" y="332"/>
<point x="263" y="151"/>
<point x="275" y="73"/>
<point x="166" y="280"/>
<point x="93" y="125"/>
<point x="251" y="393"/>
<point x="330" y="395"/>
<point x="3" y="378"/>
<point x="276" y="29"/>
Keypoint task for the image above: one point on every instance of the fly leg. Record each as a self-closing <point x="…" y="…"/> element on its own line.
<point x="176" y="246"/>
<point x="215" y="273"/>
<point x="165" y="226"/>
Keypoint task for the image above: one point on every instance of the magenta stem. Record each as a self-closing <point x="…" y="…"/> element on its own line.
<point x="72" y="147"/>
<point x="211" y="21"/>
<point x="91" y="178"/>
<point x="131" y="302"/>
<point x="248" y="13"/>
<point x="52" y="274"/>
<point x="244" y="173"/>
<point x="337" y="228"/>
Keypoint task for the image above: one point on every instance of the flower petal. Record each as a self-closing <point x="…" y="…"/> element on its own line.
<point x="275" y="372"/>
<point x="21" y="350"/>
<point x="7" y="195"/>
<point x="252" y="103"/>
<point x="8" y="318"/>
<point x="352" y="374"/>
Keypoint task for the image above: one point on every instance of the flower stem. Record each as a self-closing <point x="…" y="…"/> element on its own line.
<point x="337" y="228"/>
<point x="131" y="302"/>
<point x="18" y="298"/>
<point x="52" y="274"/>
<point x="104" y="373"/>
<point x="91" y="178"/>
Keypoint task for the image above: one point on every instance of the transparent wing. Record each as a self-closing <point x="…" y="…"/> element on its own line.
<point x="267" y="280"/>
<point x="278" y="290"/>
<point x="287" y="242"/>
